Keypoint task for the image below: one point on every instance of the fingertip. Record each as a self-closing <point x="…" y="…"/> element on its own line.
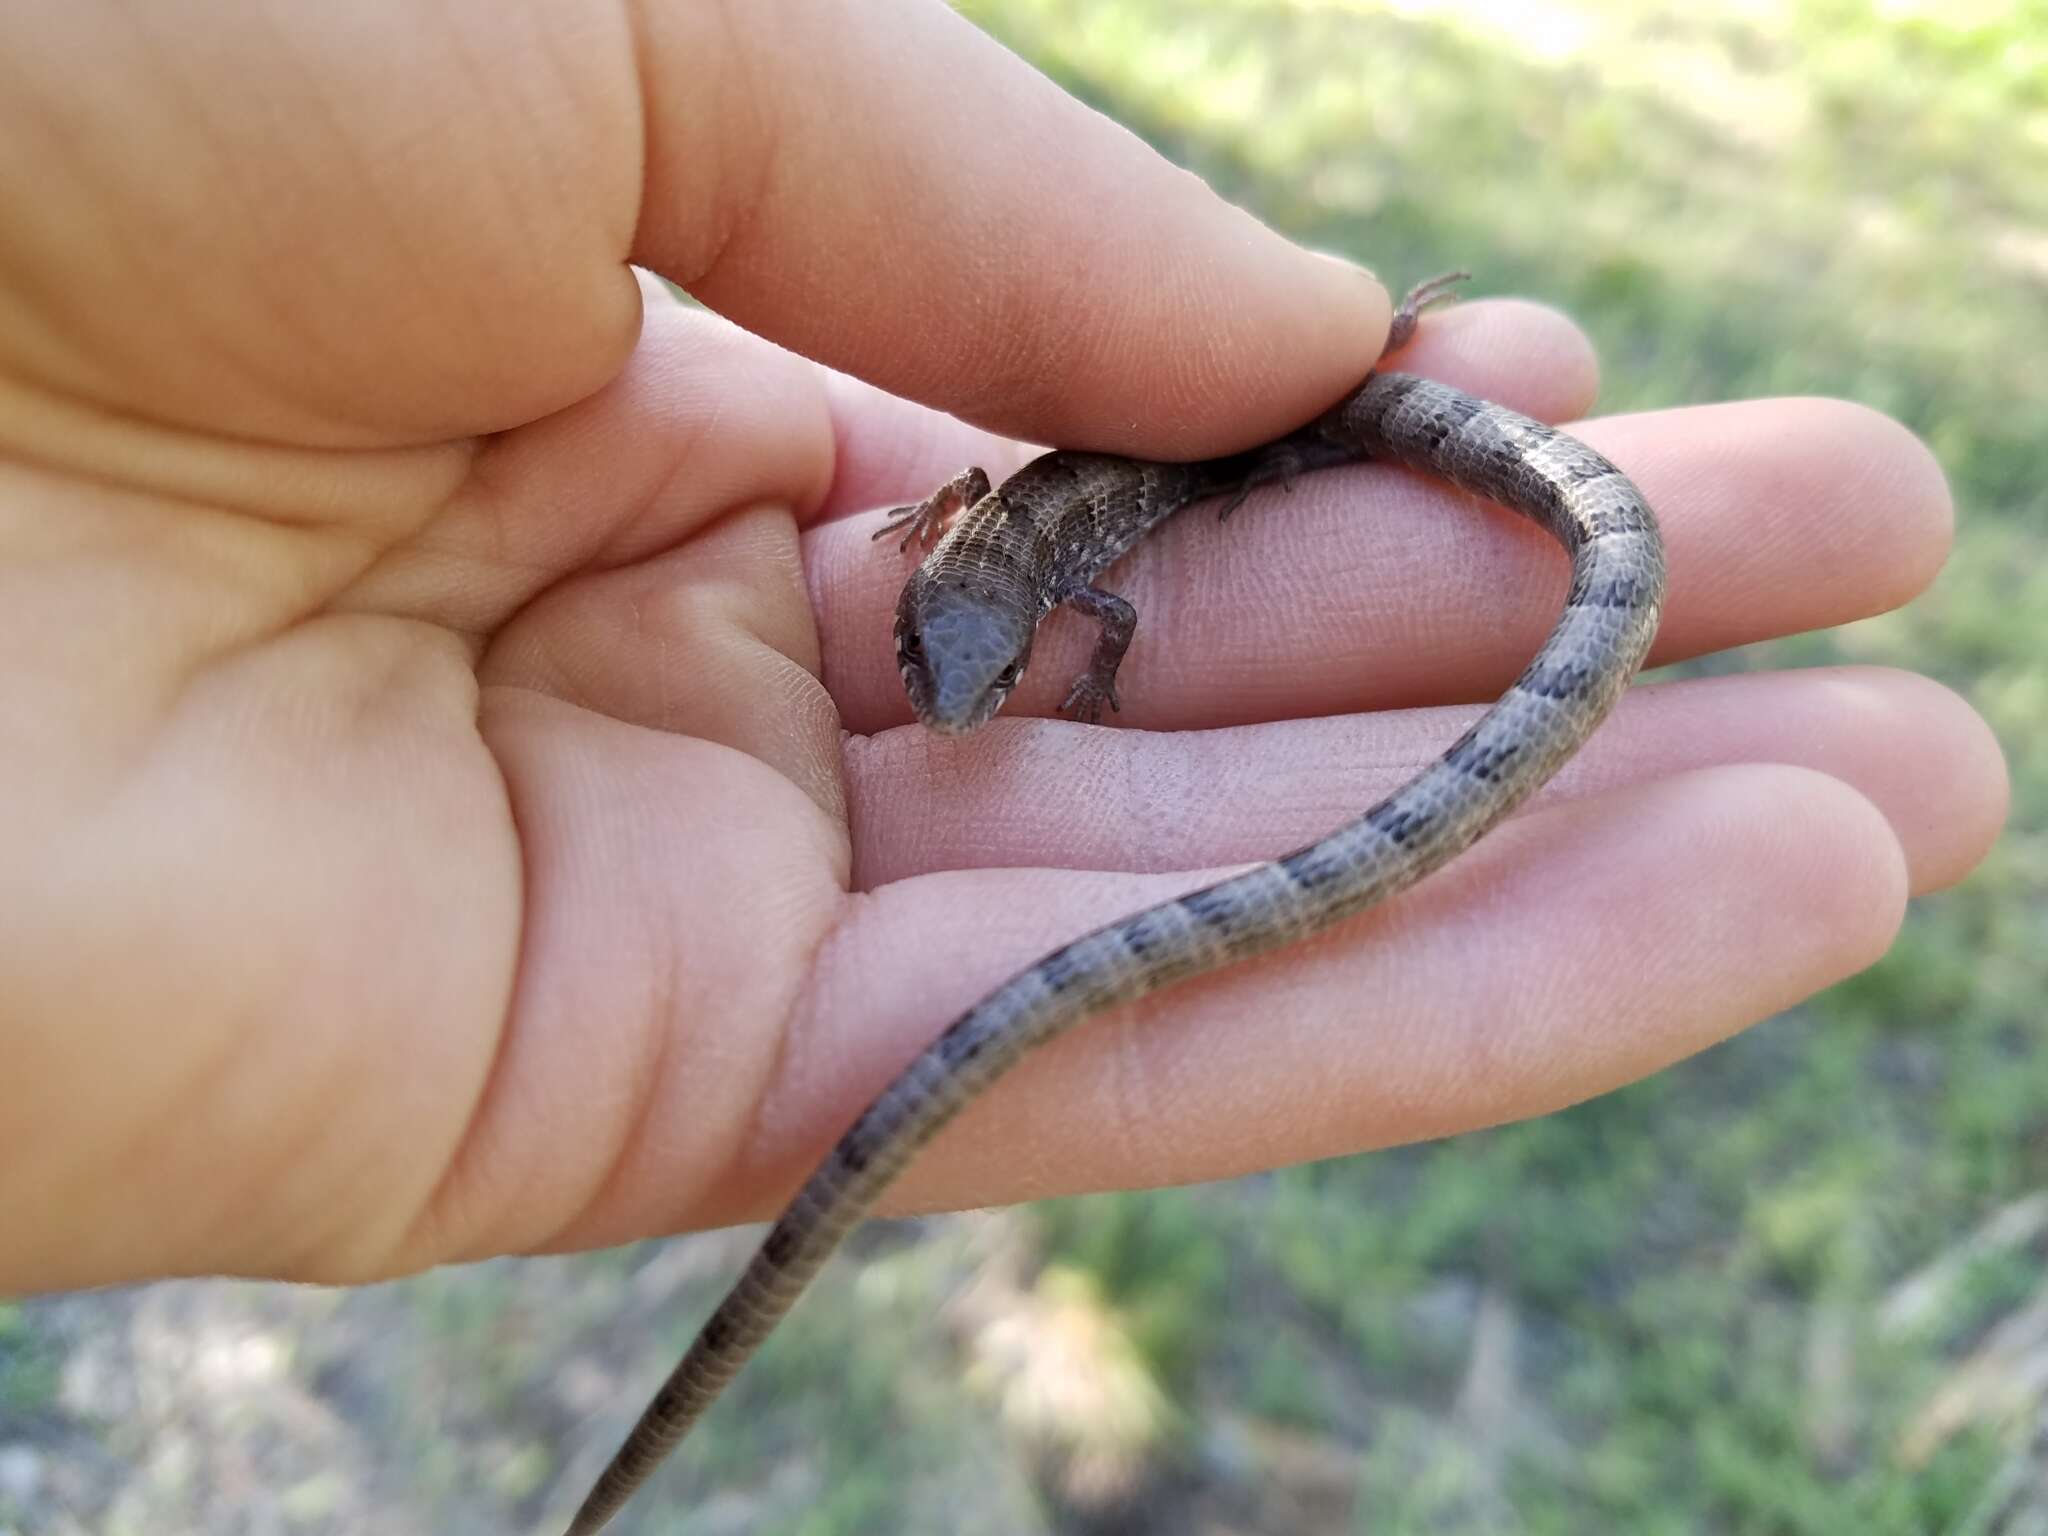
<point x="1222" y="334"/>
<point x="1889" y="479"/>
<point x="1844" y="878"/>
<point x="1697" y="904"/>
<point x="1781" y="515"/>
<point x="1965" y="785"/>
<point x="1785" y="882"/>
<point x="1527" y="356"/>
<point x="1890" y="470"/>
<point x="1345" y="261"/>
<point x="1660" y="920"/>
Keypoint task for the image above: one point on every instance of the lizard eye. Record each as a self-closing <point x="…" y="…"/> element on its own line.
<point x="911" y="645"/>
<point x="1007" y="678"/>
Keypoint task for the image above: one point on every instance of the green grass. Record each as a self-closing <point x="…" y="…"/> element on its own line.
<point x="30" y="1366"/>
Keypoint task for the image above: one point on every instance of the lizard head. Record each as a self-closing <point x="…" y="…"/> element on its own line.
<point x="961" y="649"/>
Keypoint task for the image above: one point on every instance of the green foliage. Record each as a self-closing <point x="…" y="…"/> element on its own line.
<point x="1158" y="1264"/>
<point x="31" y="1367"/>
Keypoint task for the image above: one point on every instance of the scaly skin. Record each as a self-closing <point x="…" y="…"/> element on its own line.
<point x="964" y="629"/>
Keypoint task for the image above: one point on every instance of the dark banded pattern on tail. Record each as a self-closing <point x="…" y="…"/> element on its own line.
<point x="1610" y="615"/>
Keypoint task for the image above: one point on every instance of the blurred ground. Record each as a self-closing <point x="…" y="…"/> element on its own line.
<point x="1797" y="1285"/>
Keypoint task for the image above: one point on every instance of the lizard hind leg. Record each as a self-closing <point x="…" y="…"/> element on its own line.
<point x="927" y="520"/>
<point x="1402" y="329"/>
<point x="1096" y="686"/>
<point x="1279" y="464"/>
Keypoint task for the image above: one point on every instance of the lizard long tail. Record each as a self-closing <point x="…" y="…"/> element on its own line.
<point x="1609" y="619"/>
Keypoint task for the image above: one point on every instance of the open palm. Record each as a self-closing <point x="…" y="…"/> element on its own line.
<point x="457" y="794"/>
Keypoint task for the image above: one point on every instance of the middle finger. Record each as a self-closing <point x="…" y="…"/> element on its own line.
<point x="1369" y="587"/>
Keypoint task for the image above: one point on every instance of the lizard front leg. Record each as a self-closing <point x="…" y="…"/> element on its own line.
<point x="1097" y="686"/>
<point x="927" y="520"/>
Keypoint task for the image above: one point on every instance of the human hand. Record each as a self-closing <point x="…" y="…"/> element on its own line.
<point x="431" y="830"/>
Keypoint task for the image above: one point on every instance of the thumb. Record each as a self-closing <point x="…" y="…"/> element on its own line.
<point x="886" y="189"/>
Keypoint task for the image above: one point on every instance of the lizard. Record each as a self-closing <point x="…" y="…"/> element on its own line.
<point x="999" y="560"/>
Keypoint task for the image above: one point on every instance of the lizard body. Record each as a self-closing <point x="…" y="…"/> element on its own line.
<point x="964" y="628"/>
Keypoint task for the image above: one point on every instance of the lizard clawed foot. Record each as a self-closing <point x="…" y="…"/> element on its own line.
<point x="1419" y="298"/>
<point x="922" y="521"/>
<point x="1281" y="469"/>
<point x="1086" y="698"/>
<point x="925" y="522"/>
<point x="916" y="519"/>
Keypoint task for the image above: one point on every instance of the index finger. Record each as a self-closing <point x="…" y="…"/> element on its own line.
<point x="889" y="191"/>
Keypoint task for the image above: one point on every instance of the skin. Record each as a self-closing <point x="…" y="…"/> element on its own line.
<point x="457" y="790"/>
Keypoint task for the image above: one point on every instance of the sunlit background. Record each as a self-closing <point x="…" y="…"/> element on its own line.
<point x="1796" y="1285"/>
